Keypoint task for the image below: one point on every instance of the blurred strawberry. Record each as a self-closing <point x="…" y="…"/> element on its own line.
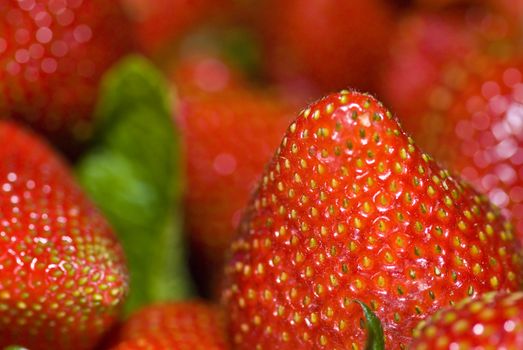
<point x="230" y="131"/>
<point x="63" y="277"/>
<point x="331" y="43"/>
<point x="493" y="321"/>
<point x="159" y="24"/>
<point x="52" y="55"/>
<point x="424" y="51"/>
<point x="178" y="326"/>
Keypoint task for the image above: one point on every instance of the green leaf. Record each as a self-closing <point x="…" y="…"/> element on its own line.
<point x="134" y="174"/>
<point x="375" y="337"/>
<point x="15" y="347"/>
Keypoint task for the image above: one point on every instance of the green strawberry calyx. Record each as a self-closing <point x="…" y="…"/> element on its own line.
<point x="375" y="337"/>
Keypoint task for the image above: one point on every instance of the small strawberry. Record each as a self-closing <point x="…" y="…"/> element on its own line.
<point x="52" y="56"/>
<point x="63" y="276"/>
<point x="350" y="208"/>
<point x="493" y="321"/>
<point x="334" y="44"/>
<point x="180" y="326"/>
<point x="229" y="135"/>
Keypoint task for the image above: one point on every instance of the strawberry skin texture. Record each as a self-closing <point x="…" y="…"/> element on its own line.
<point x="349" y="208"/>
<point x="176" y="326"/>
<point x="52" y="56"/>
<point x="63" y="275"/>
<point x="493" y="321"/>
<point x="317" y="40"/>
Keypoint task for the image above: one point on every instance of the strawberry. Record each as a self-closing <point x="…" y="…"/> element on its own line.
<point x="52" y="55"/>
<point x="63" y="274"/>
<point x="334" y="44"/>
<point x="229" y="135"/>
<point x="182" y="326"/>
<point x="350" y="208"/>
<point x="493" y="321"/>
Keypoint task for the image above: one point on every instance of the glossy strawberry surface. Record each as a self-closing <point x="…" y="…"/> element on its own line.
<point x="350" y="208"/>
<point x="63" y="276"/>
<point x="492" y="321"/>
<point x="52" y="55"/>
<point x="176" y="326"/>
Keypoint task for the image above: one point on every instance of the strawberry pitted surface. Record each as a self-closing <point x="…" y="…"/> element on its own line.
<point x="492" y="321"/>
<point x="189" y="325"/>
<point x="350" y="208"/>
<point x="63" y="277"/>
<point x="52" y="56"/>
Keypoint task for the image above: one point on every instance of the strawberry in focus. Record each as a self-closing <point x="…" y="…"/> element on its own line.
<point x="52" y="56"/>
<point x="63" y="274"/>
<point x="229" y="132"/>
<point x="350" y="209"/>
<point x="331" y="43"/>
<point x="492" y="321"/>
<point x="181" y="326"/>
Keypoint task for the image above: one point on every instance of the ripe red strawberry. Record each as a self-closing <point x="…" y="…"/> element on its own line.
<point x="52" y="55"/>
<point x="229" y="136"/>
<point x="179" y="326"/>
<point x="63" y="276"/>
<point x="350" y="208"/>
<point x="333" y="43"/>
<point x="493" y="321"/>
<point x="159" y="24"/>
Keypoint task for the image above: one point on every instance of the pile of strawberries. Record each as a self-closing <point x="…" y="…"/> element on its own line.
<point x="314" y="215"/>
